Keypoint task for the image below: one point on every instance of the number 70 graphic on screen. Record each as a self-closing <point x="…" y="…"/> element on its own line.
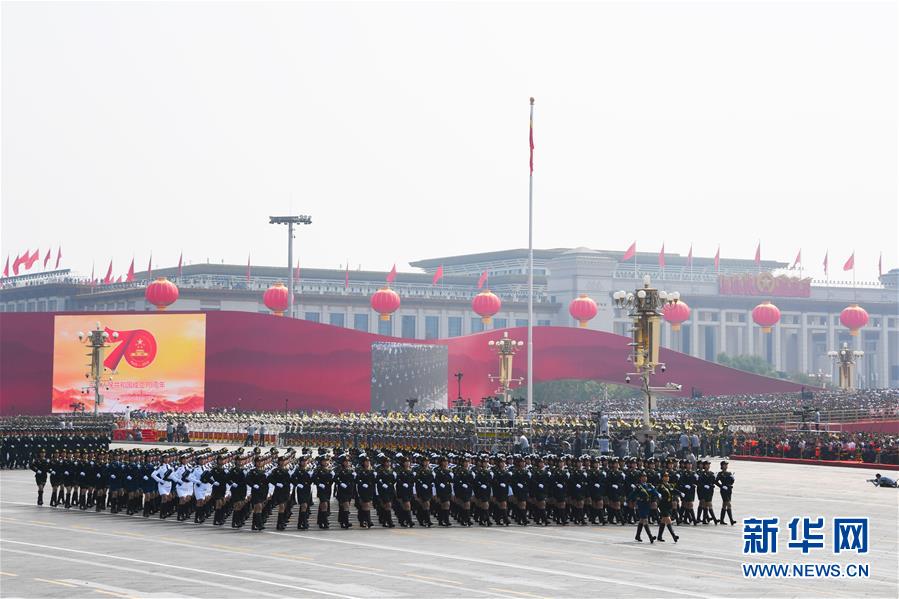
<point x="137" y="346"/>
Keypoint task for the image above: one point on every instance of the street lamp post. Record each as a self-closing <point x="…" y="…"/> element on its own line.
<point x="645" y="306"/>
<point x="845" y="359"/>
<point x="96" y="341"/>
<point x="505" y="348"/>
<point x="290" y="221"/>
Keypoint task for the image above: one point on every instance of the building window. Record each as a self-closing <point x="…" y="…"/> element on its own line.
<point x="42" y="305"/>
<point x="521" y="322"/>
<point x="408" y="327"/>
<point x="360" y="322"/>
<point x="31" y="306"/>
<point x="432" y="327"/>
<point x="336" y="319"/>
<point x="454" y="326"/>
<point x="313" y="316"/>
<point x="500" y="323"/>
<point x="543" y="323"/>
<point x="385" y="327"/>
<point x="477" y="325"/>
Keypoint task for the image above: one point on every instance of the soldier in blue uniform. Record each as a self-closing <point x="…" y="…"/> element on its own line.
<point x="725" y="483"/>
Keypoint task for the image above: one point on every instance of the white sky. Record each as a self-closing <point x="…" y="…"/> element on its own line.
<point x="402" y="129"/>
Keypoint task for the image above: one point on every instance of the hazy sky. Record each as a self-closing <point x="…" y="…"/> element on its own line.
<point x="402" y="129"/>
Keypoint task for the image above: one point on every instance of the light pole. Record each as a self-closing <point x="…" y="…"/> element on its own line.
<point x="845" y="359"/>
<point x="96" y="340"/>
<point x="290" y="221"/>
<point x="505" y="348"/>
<point x="645" y="306"/>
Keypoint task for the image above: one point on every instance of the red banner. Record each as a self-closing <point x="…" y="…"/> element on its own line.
<point x="764" y="284"/>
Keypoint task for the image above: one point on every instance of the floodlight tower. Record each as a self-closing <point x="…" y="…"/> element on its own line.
<point x="96" y="341"/>
<point x="290" y="221"/>
<point x="845" y="359"/>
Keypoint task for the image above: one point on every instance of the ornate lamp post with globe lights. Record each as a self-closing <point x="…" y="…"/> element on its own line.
<point x="505" y="348"/>
<point x="645" y="306"/>
<point x="845" y="359"/>
<point x="96" y="341"/>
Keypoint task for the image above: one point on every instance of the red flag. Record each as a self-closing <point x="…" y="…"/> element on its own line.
<point x="825" y="262"/>
<point x="108" y="278"/>
<point x="531" y="136"/>
<point x="482" y="280"/>
<point x="181" y="262"/>
<point x="248" y="268"/>
<point x="93" y="281"/>
<point x="391" y="276"/>
<point x="662" y="256"/>
<point x="879" y="265"/>
<point x="798" y="259"/>
<point x="118" y="279"/>
<point x="150" y="267"/>
<point x="6" y="268"/>
<point x="438" y="274"/>
<point x="47" y="259"/>
<point x="718" y="259"/>
<point x="16" y="264"/>
<point x="630" y="253"/>
<point x="758" y="254"/>
<point x="690" y="257"/>
<point x="850" y="263"/>
<point x="30" y="260"/>
<point x="58" y="257"/>
<point x="346" y="276"/>
<point x="130" y="276"/>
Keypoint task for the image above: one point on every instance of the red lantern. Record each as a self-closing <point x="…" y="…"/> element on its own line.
<point x="486" y="304"/>
<point x="766" y="315"/>
<point x="853" y="318"/>
<point x="676" y="314"/>
<point x="161" y="293"/>
<point x="385" y="302"/>
<point x="582" y="309"/>
<point x="276" y="298"/>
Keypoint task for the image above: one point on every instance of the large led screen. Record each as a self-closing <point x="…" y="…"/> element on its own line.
<point x="402" y="371"/>
<point x="156" y="363"/>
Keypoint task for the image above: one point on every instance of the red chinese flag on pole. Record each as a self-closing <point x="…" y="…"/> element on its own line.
<point x="798" y="259"/>
<point x="825" y="262"/>
<point x="150" y="267"/>
<point x="16" y="264"/>
<point x="130" y="276"/>
<point x="391" y="276"/>
<point x="758" y="254"/>
<point x="118" y="279"/>
<point x="181" y="262"/>
<point x="248" y="268"/>
<point x="32" y="259"/>
<point x="47" y="258"/>
<point x="879" y="265"/>
<point x="482" y="280"/>
<point x="850" y="263"/>
<point x="630" y="253"/>
<point x="58" y="257"/>
<point x="718" y="259"/>
<point x="108" y="278"/>
<point x="690" y="257"/>
<point x="662" y="256"/>
<point x="93" y="280"/>
<point x="438" y="274"/>
<point x="6" y="268"/>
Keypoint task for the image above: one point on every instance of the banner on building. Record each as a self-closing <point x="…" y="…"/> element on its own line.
<point x="765" y="284"/>
<point x="157" y="361"/>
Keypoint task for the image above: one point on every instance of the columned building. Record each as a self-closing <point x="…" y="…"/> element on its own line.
<point x="721" y="301"/>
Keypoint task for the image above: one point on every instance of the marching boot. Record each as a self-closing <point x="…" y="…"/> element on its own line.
<point x="326" y="519"/>
<point x="303" y="520"/>
<point x="661" y="531"/>
<point x="730" y="516"/>
<point x="261" y="522"/>
<point x="673" y="536"/>
<point x="639" y="532"/>
<point x="255" y="524"/>
<point x="698" y="519"/>
<point x="649" y="532"/>
<point x="409" y="521"/>
<point x="53" y="498"/>
<point x="388" y="519"/>
<point x="444" y="518"/>
<point x="235" y="520"/>
<point x="721" y="516"/>
<point x="282" y="521"/>
<point x="40" y="498"/>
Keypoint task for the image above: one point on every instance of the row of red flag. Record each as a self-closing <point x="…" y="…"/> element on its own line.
<point x="26" y="261"/>
<point x="631" y="253"/>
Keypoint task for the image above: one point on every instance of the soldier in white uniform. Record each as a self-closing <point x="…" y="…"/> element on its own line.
<point x="202" y="489"/>
<point x="183" y="487"/>
<point x="161" y="476"/>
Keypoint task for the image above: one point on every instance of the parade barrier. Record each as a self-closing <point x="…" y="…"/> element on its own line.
<point x="840" y="463"/>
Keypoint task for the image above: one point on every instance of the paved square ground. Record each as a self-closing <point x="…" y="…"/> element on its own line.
<point x="51" y="552"/>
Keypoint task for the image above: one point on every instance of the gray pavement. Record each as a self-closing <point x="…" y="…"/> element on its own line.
<point x="51" y="552"/>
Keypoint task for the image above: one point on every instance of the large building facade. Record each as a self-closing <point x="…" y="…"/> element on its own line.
<point x="721" y="301"/>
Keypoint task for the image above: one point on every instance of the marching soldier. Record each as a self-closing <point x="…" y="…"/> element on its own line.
<point x="725" y="483"/>
<point x="366" y="484"/>
<point x="521" y="488"/>
<point x="666" y="494"/>
<point x="443" y="484"/>
<point x="706" y="492"/>
<point x="302" y="485"/>
<point x="345" y="489"/>
<point x="324" y="481"/>
<point x="280" y="478"/>
<point x="257" y="480"/>
<point x="424" y="485"/>
<point x="463" y="489"/>
<point x="643" y="495"/>
<point x="41" y="468"/>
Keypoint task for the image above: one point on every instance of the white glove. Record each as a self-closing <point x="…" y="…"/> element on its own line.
<point x="110" y="476"/>
<point x="128" y="477"/>
<point x="596" y="485"/>
<point x="81" y="473"/>
<point x="540" y="485"/>
<point x="483" y="486"/>
<point x="255" y="486"/>
<point x="520" y="486"/>
<point x="464" y="486"/>
<point x="343" y="485"/>
<point x="688" y="486"/>
<point x="300" y="486"/>
<point x="578" y="485"/>
<point x="66" y="472"/>
<point x="442" y="485"/>
<point x="560" y="485"/>
<point x="723" y="488"/>
<point x="279" y="485"/>
<point x="502" y="484"/>
<point x="145" y="477"/>
<point x="614" y="486"/>
<point x="215" y="483"/>
<point x="705" y="486"/>
<point x="98" y="476"/>
<point x="364" y="485"/>
<point x="321" y="485"/>
<point x="405" y="485"/>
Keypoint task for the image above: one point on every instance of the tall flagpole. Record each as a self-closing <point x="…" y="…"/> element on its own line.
<point x="530" y="405"/>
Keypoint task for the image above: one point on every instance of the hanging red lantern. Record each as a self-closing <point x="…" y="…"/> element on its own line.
<point x="582" y="309"/>
<point x="486" y="304"/>
<point x="276" y="298"/>
<point x="766" y="315"/>
<point x="162" y="293"/>
<point x="853" y="317"/>
<point x="676" y="314"/>
<point x="385" y="302"/>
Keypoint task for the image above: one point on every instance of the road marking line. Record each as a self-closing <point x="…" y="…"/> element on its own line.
<point x="291" y="556"/>
<point x="446" y="580"/>
<point x="178" y="567"/>
<point x="7" y="574"/>
<point x="516" y="592"/>
<point x="62" y="584"/>
<point x="113" y="593"/>
<point x="358" y="566"/>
